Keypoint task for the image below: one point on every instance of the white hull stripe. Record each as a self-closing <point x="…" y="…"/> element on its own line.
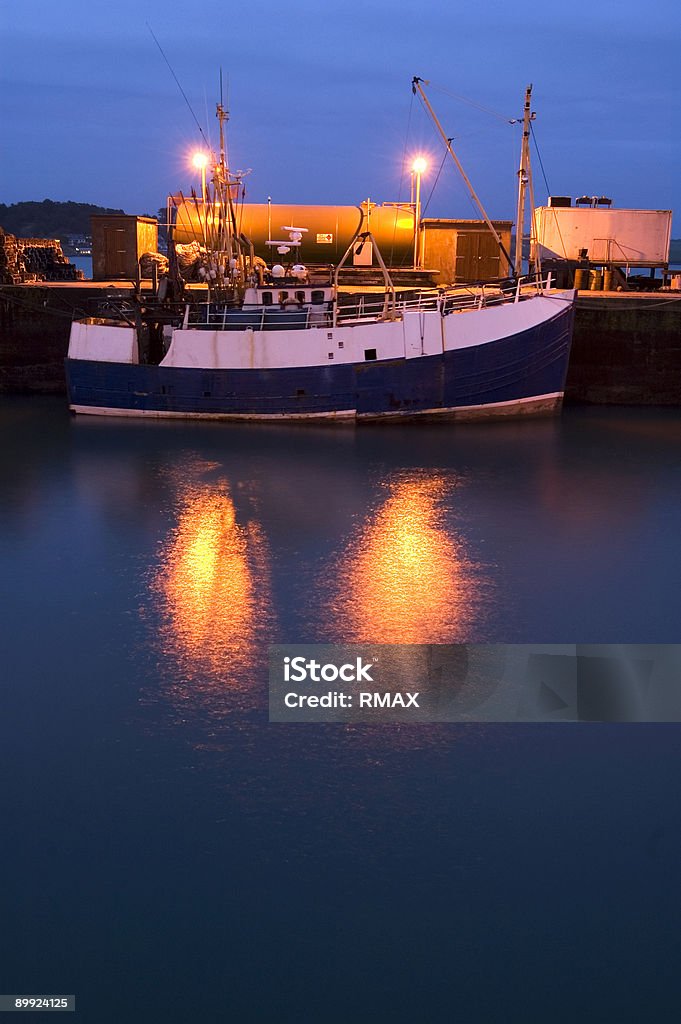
<point x="501" y="408"/>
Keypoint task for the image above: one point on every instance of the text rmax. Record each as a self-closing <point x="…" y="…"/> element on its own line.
<point x="336" y="699"/>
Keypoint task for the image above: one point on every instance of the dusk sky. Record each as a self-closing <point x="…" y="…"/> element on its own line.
<point x="321" y="105"/>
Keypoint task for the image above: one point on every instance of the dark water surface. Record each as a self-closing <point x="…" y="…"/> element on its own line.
<point x="169" y="856"/>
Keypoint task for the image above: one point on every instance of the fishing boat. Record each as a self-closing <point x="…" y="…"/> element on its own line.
<point x="256" y="342"/>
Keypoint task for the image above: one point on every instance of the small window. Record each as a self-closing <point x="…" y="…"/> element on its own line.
<point x="330" y="355"/>
<point x="300" y="392"/>
<point x="283" y="296"/>
<point x="317" y="296"/>
<point x="329" y="335"/>
<point x="369" y="353"/>
<point x="341" y="344"/>
<point x="267" y="298"/>
<point x="300" y="297"/>
<point x="206" y="394"/>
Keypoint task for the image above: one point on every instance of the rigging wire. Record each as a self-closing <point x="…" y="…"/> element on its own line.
<point x="478" y="106"/>
<point x="434" y="185"/>
<point x="548" y="190"/>
<point x="541" y="162"/>
<point x="177" y="82"/>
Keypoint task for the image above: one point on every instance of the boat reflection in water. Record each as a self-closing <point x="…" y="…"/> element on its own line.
<point x="215" y="599"/>
<point x="404" y="578"/>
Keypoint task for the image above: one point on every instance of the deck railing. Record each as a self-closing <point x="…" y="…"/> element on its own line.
<point x="350" y="310"/>
<point x="445" y="300"/>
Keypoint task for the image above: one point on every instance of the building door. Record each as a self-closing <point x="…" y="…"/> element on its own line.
<point x="477" y="256"/>
<point x="115" y="250"/>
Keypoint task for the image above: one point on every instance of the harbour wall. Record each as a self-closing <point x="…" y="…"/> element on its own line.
<point x="626" y="348"/>
<point x="35" y="322"/>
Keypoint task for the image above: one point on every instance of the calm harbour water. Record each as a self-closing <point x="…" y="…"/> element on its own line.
<point x="169" y="856"/>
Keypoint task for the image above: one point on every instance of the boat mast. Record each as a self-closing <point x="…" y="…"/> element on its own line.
<point x="416" y="86"/>
<point x="222" y="116"/>
<point x="225" y="198"/>
<point x="227" y="203"/>
<point x="523" y="181"/>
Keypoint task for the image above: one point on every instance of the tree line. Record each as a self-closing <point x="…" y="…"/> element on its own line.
<point x="48" y="219"/>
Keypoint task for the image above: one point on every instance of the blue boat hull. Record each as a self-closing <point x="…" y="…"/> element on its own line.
<point x="524" y="372"/>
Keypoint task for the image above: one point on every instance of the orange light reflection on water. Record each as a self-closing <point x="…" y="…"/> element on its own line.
<point x="405" y="578"/>
<point x="214" y="584"/>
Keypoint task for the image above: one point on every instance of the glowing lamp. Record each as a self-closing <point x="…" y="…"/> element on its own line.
<point x="200" y="162"/>
<point x="419" y="165"/>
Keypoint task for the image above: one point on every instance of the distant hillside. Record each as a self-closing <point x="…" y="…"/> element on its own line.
<point x="49" y="219"/>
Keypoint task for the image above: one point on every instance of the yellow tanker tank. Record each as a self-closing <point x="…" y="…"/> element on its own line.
<point x="329" y="229"/>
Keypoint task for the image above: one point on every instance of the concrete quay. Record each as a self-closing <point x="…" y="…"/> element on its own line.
<point x="626" y="349"/>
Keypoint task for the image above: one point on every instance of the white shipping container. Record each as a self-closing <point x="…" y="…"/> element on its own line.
<point x="634" y="238"/>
